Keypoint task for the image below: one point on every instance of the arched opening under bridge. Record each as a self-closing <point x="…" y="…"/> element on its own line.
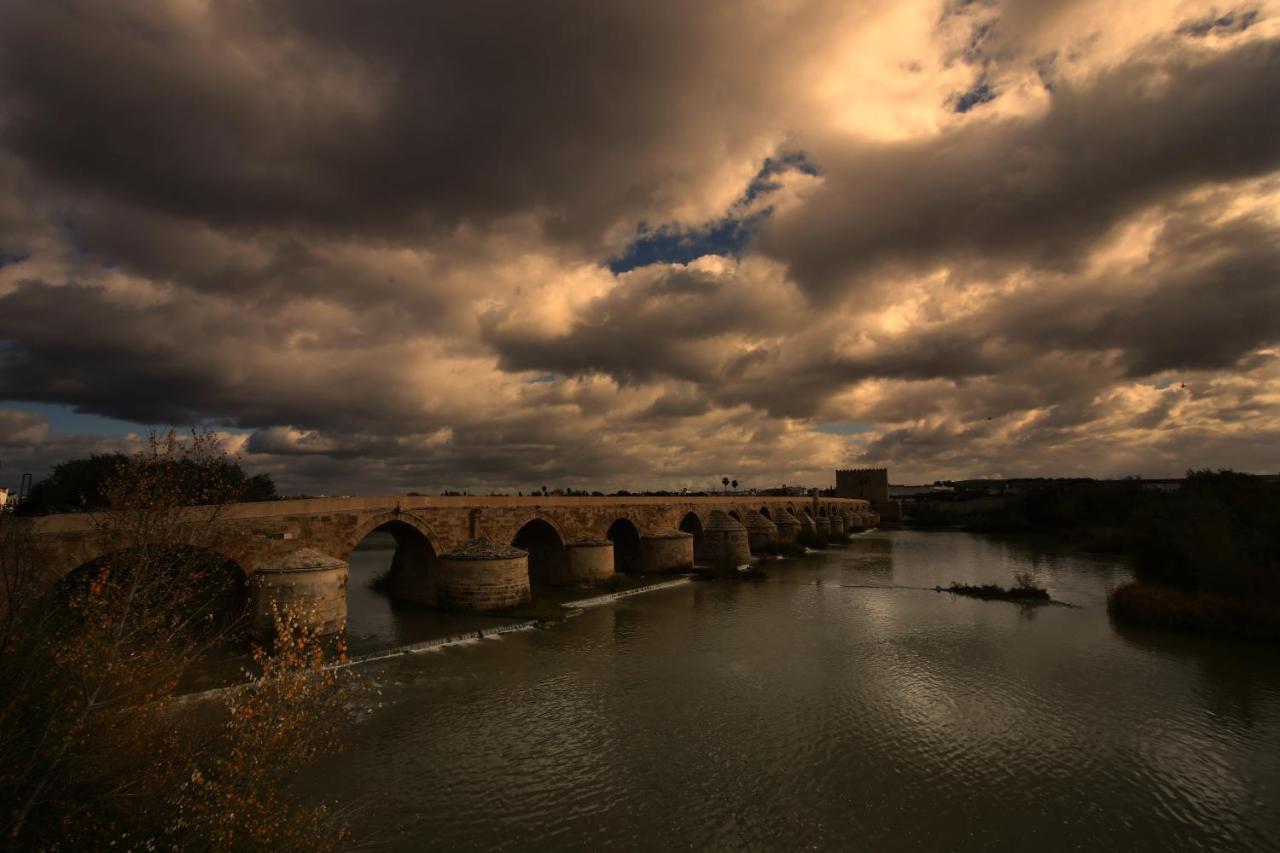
<point x="389" y="573"/>
<point x="626" y="545"/>
<point x="764" y="510"/>
<point x="735" y="515"/>
<point x="692" y="524"/>
<point x="178" y="584"/>
<point x="546" y="551"/>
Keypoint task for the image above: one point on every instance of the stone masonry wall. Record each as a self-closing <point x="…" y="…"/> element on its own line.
<point x="261" y="533"/>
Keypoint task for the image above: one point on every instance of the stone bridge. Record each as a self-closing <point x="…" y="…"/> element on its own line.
<point x="479" y="553"/>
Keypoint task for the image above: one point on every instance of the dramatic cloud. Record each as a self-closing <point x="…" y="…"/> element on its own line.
<point x="393" y="246"/>
<point x="1037" y="190"/>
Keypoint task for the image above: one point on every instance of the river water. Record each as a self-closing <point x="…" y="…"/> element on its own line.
<point x="839" y="704"/>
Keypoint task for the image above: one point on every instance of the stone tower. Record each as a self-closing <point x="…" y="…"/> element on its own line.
<point x="870" y="484"/>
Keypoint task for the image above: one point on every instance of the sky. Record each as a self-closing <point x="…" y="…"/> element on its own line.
<point x="396" y="246"/>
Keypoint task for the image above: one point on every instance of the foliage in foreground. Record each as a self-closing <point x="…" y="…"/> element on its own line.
<point x="97" y="748"/>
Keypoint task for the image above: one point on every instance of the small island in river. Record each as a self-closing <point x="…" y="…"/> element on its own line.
<point x="1023" y="591"/>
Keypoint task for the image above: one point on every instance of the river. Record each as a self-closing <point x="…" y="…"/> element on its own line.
<point x="839" y="704"/>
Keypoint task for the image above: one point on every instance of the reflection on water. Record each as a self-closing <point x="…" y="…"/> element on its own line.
<point x="839" y="704"/>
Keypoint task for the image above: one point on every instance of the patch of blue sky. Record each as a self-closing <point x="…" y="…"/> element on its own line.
<point x="728" y="236"/>
<point x="65" y="420"/>
<point x="980" y="93"/>
<point x="545" y="377"/>
<point x="668" y="245"/>
<point x="845" y="427"/>
<point x="763" y="181"/>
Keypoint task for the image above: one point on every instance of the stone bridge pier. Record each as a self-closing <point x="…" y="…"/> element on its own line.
<point x="473" y="554"/>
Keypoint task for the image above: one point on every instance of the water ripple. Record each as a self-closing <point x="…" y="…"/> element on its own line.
<point x="828" y="708"/>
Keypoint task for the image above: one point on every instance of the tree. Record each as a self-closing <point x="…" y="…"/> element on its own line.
<point x="724" y="481"/>
<point x="735" y="485"/>
<point x="74" y="485"/>
<point x="80" y="485"/>
<point x="96" y="750"/>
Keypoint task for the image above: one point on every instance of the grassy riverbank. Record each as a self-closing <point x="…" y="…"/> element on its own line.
<point x="1166" y="608"/>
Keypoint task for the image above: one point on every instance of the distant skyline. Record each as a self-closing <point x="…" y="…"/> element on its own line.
<point x="396" y="246"/>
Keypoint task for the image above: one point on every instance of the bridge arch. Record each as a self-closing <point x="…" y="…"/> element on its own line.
<point x="822" y="510"/>
<point x="393" y="522"/>
<point x="410" y="572"/>
<point x="545" y="544"/>
<point x="737" y="516"/>
<point x="764" y="510"/>
<point x="608" y="517"/>
<point x="625" y="537"/>
<point x="213" y="585"/>
<point x="692" y="524"/>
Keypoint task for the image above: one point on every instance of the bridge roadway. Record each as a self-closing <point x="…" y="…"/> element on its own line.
<point x="475" y="553"/>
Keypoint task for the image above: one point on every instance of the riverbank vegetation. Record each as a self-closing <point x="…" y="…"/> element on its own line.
<point x="1023" y="591"/>
<point x="1094" y="515"/>
<point x="98" y="747"/>
<point x="1205" y="551"/>
<point x="1150" y="605"/>
<point x="1207" y="559"/>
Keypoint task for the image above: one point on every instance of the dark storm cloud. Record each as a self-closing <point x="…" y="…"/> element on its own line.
<point x="1226" y="24"/>
<point x="681" y="402"/>
<point x="654" y="323"/>
<point x="1207" y="296"/>
<point x="1036" y="190"/>
<point x="387" y="118"/>
<point x="179" y="361"/>
<point x="1206" y="301"/>
<point x="1201" y="315"/>
<point x="416" y="246"/>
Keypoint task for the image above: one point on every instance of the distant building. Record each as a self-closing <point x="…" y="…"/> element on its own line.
<point x="869" y="484"/>
<point x="785" y="491"/>
<point x="913" y="491"/>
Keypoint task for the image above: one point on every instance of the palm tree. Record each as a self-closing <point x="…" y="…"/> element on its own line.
<point x="725" y="482"/>
<point x="735" y="485"/>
